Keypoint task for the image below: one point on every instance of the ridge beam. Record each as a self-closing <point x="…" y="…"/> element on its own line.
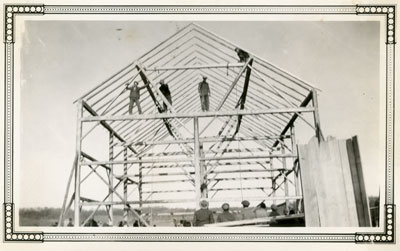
<point x="194" y="67"/>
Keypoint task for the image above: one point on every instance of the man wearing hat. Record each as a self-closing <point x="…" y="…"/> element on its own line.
<point x="134" y="96"/>
<point x="203" y="215"/>
<point x="247" y="213"/>
<point x="274" y="211"/>
<point x="225" y="215"/>
<point x="204" y="91"/>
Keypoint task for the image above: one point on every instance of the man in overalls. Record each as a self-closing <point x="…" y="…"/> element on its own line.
<point x="204" y="91"/>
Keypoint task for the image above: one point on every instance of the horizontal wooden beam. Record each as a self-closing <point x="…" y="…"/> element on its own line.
<point x="197" y="114"/>
<point x="193" y="67"/>
<point x="133" y="161"/>
<point x="204" y="140"/>
<point x="263" y="220"/>
<point x="231" y="150"/>
<point x="165" y="160"/>
<point x="230" y="163"/>
<point x="214" y="189"/>
<point x="215" y="172"/>
<point x="210" y="179"/>
<point x="224" y="199"/>
<point x="270" y="156"/>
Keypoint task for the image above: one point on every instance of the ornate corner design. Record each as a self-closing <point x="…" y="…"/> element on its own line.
<point x="10" y="235"/>
<point x="9" y="16"/>
<point x="389" y="11"/>
<point x="388" y="236"/>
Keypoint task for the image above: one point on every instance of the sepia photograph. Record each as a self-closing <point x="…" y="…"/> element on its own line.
<point x="187" y="124"/>
<point x="199" y="123"/>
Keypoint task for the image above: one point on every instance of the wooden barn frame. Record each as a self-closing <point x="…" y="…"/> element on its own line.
<point x="258" y="122"/>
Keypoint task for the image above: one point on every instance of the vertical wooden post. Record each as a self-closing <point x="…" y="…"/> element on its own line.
<point x="203" y="173"/>
<point x="273" y="182"/>
<point x="196" y="161"/>
<point x="140" y="184"/>
<point x="126" y="209"/>
<point x="285" y="176"/>
<point x="78" y="165"/>
<point x="317" y="122"/>
<point x="111" y="181"/>
<point x="296" y="169"/>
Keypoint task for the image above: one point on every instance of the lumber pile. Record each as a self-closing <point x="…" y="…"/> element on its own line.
<point x="333" y="184"/>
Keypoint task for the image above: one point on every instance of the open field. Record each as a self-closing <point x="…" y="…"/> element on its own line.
<point x="160" y="216"/>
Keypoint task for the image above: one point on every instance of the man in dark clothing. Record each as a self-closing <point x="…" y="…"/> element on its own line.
<point x="243" y="56"/>
<point x="273" y="222"/>
<point x="134" y="96"/>
<point x="164" y="89"/>
<point x="225" y="215"/>
<point x="203" y="215"/>
<point x="274" y="211"/>
<point x="70" y="224"/>
<point x="204" y="91"/>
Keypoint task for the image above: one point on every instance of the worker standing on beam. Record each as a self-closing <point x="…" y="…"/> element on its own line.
<point x="164" y="89"/>
<point x="204" y="91"/>
<point x="134" y="96"/>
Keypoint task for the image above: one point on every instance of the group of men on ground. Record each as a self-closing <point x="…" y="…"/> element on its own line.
<point x="205" y="216"/>
<point x="134" y="95"/>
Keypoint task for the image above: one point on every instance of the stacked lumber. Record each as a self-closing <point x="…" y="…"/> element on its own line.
<point x="333" y="184"/>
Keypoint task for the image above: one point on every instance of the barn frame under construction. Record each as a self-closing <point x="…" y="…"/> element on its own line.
<point x="248" y="135"/>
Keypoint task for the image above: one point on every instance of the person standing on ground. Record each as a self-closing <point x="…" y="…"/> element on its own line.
<point x="164" y="89"/>
<point x="261" y="210"/>
<point x="246" y="213"/>
<point x="134" y="96"/>
<point x="274" y="211"/>
<point x="225" y="215"/>
<point x="204" y="91"/>
<point x="203" y="215"/>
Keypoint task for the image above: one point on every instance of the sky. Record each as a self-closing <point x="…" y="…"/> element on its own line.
<point x="62" y="60"/>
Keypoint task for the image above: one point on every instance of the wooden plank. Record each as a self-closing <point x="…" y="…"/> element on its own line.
<point x="308" y="160"/>
<point x="111" y="179"/>
<point x="78" y="164"/>
<point x="363" y="207"/>
<point x="63" y="208"/>
<point x="196" y="159"/>
<point x="348" y="184"/>
<point x="191" y="67"/>
<point x="244" y="95"/>
<point x="333" y="195"/>
<point x="256" y="221"/>
<point x="317" y="121"/>
<point x="223" y="199"/>
<point x="356" y="182"/>
<point x="227" y="113"/>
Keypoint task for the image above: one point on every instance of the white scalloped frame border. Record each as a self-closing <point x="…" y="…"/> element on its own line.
<point x="12" y="11"/>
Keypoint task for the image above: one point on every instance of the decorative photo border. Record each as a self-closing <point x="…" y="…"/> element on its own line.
<point x="13" y="11"/>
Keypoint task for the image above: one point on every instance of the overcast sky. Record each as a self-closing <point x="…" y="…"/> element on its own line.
<point x="62" y="60"/>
